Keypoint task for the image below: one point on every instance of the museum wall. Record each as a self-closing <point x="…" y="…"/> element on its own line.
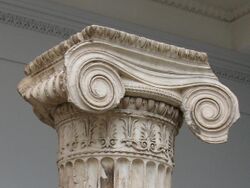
<point x="28" y="147"/>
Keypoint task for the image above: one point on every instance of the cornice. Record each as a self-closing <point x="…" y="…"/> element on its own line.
<point x="35" y="25"/>
<point x="208" y="10"/>
<point x="233" y="75"/>
<point x="240" y="12"/>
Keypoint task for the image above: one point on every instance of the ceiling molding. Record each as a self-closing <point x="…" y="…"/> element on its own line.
<point x="208" y="10"/>
<point x="240" y="12"/>
<point x="233" y="75"/>
<point x="35" y="25"/>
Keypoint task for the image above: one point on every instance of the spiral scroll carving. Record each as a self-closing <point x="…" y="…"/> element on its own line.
<point x="210" y="111"/>
<point x="95" y="87"/>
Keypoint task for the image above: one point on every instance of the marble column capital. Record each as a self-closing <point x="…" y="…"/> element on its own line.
<point x="117" y="102"/>
<point x="98" y="66"/>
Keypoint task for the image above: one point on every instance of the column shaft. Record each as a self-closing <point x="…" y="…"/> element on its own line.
<point x="131" y="146"/>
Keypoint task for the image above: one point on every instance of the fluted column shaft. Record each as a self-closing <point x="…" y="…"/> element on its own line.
<point x="131" y="146"/>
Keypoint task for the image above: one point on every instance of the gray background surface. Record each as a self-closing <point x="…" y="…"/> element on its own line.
<point x="28" y="148"/>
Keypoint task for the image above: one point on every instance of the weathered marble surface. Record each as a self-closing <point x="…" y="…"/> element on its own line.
<point x="117" y="101"/>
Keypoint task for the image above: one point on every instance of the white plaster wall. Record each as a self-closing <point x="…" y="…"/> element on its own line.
<point x="28" y="148"/>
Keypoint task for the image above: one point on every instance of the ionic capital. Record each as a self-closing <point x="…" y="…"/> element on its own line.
<point x="97" y="67"/>
<point x="117" y="102"/>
